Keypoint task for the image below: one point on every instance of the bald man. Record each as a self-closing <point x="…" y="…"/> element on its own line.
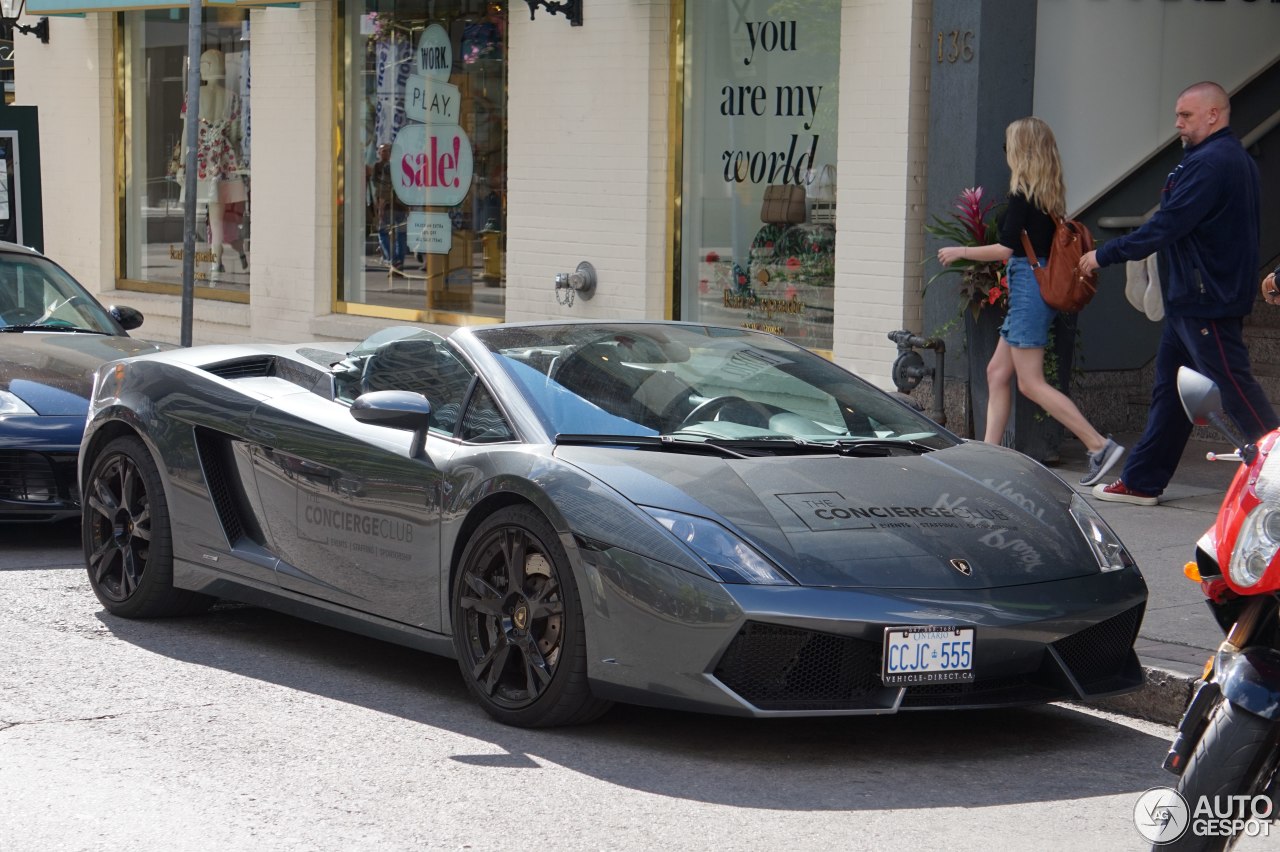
<point x="1206" y="233"/>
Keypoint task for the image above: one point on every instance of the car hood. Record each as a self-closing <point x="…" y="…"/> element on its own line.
<point x="53" y="371"/>
<point x="910" y="521"/>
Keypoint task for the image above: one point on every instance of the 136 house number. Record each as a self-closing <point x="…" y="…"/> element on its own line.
<point x="955" y="46"/>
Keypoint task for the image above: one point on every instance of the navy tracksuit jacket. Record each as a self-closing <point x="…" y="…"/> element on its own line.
<point x="1206" y="232"/>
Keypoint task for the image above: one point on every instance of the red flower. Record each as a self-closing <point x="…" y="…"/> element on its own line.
<point x="712" y="257"/>
<point x="793" y="263"/>
<point x="973" y="213"/>
<point x="999" y="290"/>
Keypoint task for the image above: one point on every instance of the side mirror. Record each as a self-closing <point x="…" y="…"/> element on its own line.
<point x="396" y="410"/>
<point x="129" y="318"/>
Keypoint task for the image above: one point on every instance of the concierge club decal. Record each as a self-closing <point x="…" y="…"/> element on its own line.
<point x="830" y="510"/>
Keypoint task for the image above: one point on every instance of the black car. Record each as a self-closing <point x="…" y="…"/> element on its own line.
<point x="53" y="336"/>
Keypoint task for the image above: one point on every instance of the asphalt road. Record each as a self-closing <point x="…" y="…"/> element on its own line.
<point x="243" y="729"/>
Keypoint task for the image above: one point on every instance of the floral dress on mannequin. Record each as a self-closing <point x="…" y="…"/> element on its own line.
<point x="216" y="158"/>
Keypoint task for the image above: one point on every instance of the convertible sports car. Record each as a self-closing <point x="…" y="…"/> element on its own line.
<point x="651" y="512"/>
<point x="53" y="335"/>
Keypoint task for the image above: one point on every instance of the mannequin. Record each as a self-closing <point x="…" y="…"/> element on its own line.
<point x="218" y="180"/>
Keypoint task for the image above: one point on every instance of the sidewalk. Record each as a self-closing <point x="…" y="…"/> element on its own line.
<point x="1178" y="633"/>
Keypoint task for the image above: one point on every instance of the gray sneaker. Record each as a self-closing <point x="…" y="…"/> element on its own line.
<point x="1102" y="461"/>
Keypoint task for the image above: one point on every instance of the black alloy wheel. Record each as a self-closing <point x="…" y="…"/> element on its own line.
<point x="517" y="624"/>
<point x="128" y="545"/>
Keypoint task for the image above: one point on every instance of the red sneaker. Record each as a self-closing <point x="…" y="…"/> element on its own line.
<point x="1118" y="492"/>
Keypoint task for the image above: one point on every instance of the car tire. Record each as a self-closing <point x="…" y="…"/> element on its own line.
<point x="517" y="624"/>
<point x="1238" y="755"/>
<point x="127" y="539"/>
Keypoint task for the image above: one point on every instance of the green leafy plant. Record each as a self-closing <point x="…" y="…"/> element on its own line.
<point x="971" y="223"/>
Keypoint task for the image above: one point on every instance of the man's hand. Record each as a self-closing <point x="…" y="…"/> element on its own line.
<point x="1088" y="263"/>
<point x="1270" y="294"/>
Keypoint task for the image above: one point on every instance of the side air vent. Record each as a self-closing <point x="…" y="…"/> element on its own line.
<point x="244" y="368"/>
<point x="225" y="488"/>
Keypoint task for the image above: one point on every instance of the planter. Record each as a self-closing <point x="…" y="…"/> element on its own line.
<point x="1030" y="430"/>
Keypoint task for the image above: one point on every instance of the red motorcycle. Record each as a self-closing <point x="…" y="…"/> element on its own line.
<point x="1227" y="748"/>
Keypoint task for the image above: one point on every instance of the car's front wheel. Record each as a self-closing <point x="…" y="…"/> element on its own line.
<point x="128" y="545"/>
<point x="517" y="622"/>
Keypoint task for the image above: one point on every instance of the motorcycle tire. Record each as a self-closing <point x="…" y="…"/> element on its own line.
<point x="1238" y="755"/>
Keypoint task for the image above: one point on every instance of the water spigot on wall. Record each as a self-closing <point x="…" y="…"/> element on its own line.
<point x="909" y="368"/>
<point x="582" y="282"/>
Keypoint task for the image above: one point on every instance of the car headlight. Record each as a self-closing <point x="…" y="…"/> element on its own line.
<point x="1104" y="543"/>
<point x="11" y="403"/>
<point x="731" y="558"/>
<point x="1256" y="545"/>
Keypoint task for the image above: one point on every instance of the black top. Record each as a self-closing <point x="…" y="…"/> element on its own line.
<point x="1020" y="213"/>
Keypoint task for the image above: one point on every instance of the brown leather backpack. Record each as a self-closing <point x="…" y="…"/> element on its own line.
<point x="1062" y="286"/>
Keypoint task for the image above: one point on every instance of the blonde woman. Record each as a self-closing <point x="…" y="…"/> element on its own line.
<point x="1037" y="195"/>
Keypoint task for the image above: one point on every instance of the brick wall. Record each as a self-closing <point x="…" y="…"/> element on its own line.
<point x="588" y="176"/>
<point x="881" y="189"/>
<point x="294" y="220"/>
<point x="71" y="82"/>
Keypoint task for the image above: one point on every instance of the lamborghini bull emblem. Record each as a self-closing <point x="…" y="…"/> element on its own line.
<point x="963" y="566"/>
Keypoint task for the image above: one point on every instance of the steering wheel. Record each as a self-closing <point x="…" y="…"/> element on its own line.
<point x="709" y="409"/>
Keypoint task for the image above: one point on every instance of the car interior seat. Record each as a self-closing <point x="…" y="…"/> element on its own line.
<point x="422" y="366"/>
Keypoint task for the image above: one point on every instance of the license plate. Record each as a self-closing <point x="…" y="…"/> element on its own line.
<point x="915" y="655"/>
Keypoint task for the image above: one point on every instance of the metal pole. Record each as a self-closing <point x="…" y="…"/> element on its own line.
<point x="189" y="184"/>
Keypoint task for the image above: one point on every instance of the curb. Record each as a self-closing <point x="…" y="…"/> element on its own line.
<point x="1161" y="699"/>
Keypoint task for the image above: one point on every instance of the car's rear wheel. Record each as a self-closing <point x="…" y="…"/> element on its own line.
<point x="517" y="622"/>
<point x="128" y="544"/>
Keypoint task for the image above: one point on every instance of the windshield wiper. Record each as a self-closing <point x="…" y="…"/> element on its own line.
<point x="42" y="326"/>
<point x="856" y="445"/>
<point x="649" y="442"/>
<point x="743" y="448"/>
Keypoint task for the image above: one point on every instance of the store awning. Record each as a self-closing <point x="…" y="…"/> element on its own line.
<point x="73" y="7"/>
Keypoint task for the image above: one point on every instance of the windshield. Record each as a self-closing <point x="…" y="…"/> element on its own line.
<point x="35" y="293"/>
<point x="696" y="383"/>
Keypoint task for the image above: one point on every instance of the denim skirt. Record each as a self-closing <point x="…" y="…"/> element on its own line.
<point x="1026" y="325"/>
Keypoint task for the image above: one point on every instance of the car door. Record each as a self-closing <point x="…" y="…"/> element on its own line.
<point x="354" y="515"/>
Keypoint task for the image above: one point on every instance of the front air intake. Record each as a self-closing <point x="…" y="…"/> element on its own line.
<point x="785" y="668"/>
<point x="1099" y="657"/>
<point x="27" y="477"/>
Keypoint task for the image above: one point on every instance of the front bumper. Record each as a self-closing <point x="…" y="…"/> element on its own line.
<point x="660" y="636"/>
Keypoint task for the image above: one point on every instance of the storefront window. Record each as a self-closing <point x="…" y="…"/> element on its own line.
<point x="759" y="220"/>
<point x="154" y="107"/>
<point x="424" y="168"/>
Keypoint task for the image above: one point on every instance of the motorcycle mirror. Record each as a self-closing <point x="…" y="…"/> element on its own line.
<point x="1200" y="396"/>
<point x="1202" y="401"/>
